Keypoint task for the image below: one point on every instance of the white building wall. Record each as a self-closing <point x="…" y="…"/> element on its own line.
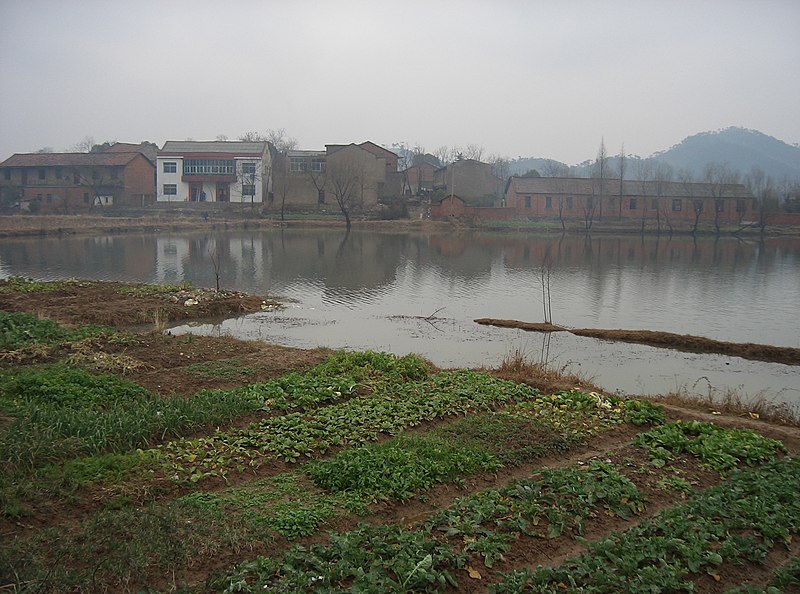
<point x="209" y="187"/>
<point x="170" y="178"/>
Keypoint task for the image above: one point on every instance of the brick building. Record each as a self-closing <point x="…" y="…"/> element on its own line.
<point x="71" y="182"/>
<point x="578" y="198"/>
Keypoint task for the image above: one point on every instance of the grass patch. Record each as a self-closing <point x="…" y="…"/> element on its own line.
<point x="398" y="469"/>
<point x="231" y="370"/>
<point x="59" y="412"/>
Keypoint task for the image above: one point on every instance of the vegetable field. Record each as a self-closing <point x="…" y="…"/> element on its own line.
<point x="375" y="473"/>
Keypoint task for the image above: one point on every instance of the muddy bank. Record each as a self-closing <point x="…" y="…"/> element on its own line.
<point x="667" y="340"/>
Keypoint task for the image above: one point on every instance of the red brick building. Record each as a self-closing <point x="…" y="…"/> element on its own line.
<point x="579" y="198"/>
<point x="72" y="182"/>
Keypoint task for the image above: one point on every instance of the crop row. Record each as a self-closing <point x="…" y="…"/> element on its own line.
<point x="740" y="521"/>
<point x="551" y="503"/>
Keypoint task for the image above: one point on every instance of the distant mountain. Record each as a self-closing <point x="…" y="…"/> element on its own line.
<point x="740" y="148"/>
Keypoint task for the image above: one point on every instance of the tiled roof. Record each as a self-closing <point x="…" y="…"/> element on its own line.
<point x="181" y="147"/>
<point x="69" y="159"/>
<point x="583" y="186"/>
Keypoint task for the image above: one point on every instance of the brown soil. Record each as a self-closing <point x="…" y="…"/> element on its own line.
<point x="163" y="363"/>
<point x="667" y="340"/>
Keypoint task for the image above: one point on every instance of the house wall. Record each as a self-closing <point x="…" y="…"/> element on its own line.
<point x="68" y="188"/>
<point x="674" y="207"/>
<point x="208" y="183"/>
<point x="138" y="179"/>
<point x="468" y="179"/>
<point x="371" y="171"/>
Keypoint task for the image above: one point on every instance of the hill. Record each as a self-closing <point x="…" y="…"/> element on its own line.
<point x="740" y="148"/>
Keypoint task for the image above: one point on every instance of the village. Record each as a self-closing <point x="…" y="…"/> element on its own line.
<point x="364" y="179"/>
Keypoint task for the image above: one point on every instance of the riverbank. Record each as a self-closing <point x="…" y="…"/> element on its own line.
<point x="136" y="460"/>
<point x="668" y="340"/>
<point x="199" y="219"/>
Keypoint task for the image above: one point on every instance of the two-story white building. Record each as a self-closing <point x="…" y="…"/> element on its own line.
<point x="213" y="171"/>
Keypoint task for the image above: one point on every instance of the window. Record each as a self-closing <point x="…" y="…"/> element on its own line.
<point x="741" y="206"/>
<point x="170" y="189"/>
<point x="7" y="174"/>
<point x="170" y="167"/>
<point x="548" y="202"/>
<point x="49" y="197"/>
<point x="677" y="205"/>
<point x="86" y="197"/>
<point x="41" y="173"/>
<point x="654" y="204"/>
<point x="76" y="179"/>
<point x="209" y="167"/>
<point x="248" y="189"/>
<point x="589" y="202"/>
<point x="297" y="164"/>
<point x="719" y="205"/>
<point x="318" y="165"/>
<point x="527" y="201"/>
<point x="59" y="172"/>
<point x="632" y="204"/>
<point x="698" y="206"/>
<point x="321" y="197"/>
<point x="569" y="202"/>
<point x="95" y="174"/>
<point x="248" y="168"/>
<point x="114" y="173"/>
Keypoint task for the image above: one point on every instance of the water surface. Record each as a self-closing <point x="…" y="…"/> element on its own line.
<point x="407" y="292"/>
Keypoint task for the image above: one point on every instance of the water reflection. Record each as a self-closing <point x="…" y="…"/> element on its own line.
<point x="372" y="290"/>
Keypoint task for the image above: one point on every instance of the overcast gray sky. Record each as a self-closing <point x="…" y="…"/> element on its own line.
<point x="537" y="78"/>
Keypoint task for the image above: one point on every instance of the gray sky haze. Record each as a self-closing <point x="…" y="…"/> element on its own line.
<point x="538" y="78"/>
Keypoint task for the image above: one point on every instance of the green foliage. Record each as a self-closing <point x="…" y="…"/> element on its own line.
<point x="20" y="329"/>
<point x="719" y="448"/>
<point x="61" y="412"/>
<point x="741" y="520"/>
<point x="399" y="468"/>
<point x="549" y="504"/>
<point x="22" y="284"/>
<point x="377" y="559"/>
<point x="355" y="422"/>
<point x="370" y="365"/>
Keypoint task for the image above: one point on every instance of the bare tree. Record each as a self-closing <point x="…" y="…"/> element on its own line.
<point x="445" y="154"/>
<point x="345" y="180"/>
<point x="500" y="168"/>
<point x="765" y="194"/>
<point x="687" y="183"/>
<point x="252" y="137"/>
<point x="278" y="138"/>
<point x="599" y="175"/>
<point x="83" y="146"/>
<point x="621" y="176"/>
<point x="473" y="151"/>
<point x="720" y="179"/>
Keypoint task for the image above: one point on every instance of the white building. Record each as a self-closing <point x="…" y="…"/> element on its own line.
<point x="213" y="171"/>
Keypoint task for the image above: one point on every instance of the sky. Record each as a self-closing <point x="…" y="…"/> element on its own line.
<point x="537" y="78"/>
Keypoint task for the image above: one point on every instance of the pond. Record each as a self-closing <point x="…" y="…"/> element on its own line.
<point x="413" y="292"/>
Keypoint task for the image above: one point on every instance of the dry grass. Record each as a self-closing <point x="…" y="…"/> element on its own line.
<point x="730" y="402"/>
<point x="518" y="366"/>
